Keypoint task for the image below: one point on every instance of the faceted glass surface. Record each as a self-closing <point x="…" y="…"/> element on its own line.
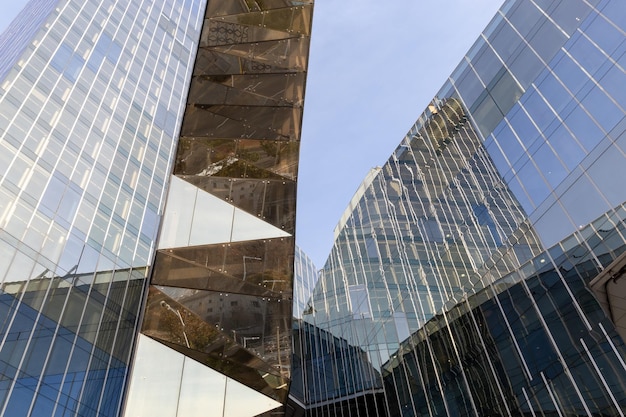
<point x="222" y="280"/>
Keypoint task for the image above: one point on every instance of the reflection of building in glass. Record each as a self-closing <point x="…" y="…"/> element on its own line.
<point x="84" y="162"/>
<point x="478" y="271"/>
<point x="99" y="103"/>
<point x="432" y="212"/>
<point x="323" y="360"/>
<point x="305" y="276"/>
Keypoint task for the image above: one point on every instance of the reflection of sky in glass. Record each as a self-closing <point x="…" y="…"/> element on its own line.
<point x="166" y="381"/>
<point x="9" y="11"/>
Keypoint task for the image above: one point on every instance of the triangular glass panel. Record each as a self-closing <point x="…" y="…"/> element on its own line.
<point x="267" y="264"/>
<point x="242" y="122"/>
<point x="218" y="186"/>
<point x="174" y="271"/>
<point x="212" y="220"/>
<point x="210" y="91"/>
<point x="279" y="157"/>
<point x="249" y="227"/>
<point x="155" y="380"/>
<point x="268" y="383"/>
<point x="201" y="389"/>
<point x="194" y="217"/>
<point x="273" y="201"/>
<point x="204" y="156"/>
<point x="219" y="32"/>
<point x="216" y="63"/>
<point x="248" y="89"/>
<point x="242" y="401"/>
<point x="261" y="325"/>
<point x="169" y="321"/>
<point x="235" y="168"/>
<point x="165" y="382"/>
<point x="284" y="19"/>
<point x="212" y="63"/>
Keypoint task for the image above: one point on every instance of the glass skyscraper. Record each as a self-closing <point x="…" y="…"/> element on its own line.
<point x="114" y="301"/>
<point x="148" y="166"/>
<point x="85" y="163"/>
<point x="478" y="272"/>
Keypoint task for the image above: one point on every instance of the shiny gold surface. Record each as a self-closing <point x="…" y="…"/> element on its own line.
<point x="257" y="267"/>
<point x="183" y="329"/>
<point x="228" y="305"/>
<point x="237" y="158"/>
<point x="270" y="200"/>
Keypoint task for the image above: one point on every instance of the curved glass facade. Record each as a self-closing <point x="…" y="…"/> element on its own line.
<point x="478" y="271"/>
<point x="536" y="342"/>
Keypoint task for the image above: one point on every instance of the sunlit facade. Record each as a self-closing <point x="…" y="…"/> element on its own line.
<point x="148" y="164"/>
<point x="478" y="272"/>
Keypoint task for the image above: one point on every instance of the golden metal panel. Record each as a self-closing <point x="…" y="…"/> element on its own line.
<point x="239" y="141"/>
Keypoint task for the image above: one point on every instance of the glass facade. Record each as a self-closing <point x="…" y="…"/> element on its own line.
<point x="478" y="272"/>
<point x="109" y="112"/>
<point x="83" y="171"/>
<point x="148" y="167"/>
<point x="220" y="299"/>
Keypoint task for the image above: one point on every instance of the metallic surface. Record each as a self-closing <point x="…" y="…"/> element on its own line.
<point x="221" y="285"/>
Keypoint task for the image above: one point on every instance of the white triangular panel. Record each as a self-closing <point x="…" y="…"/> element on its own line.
<point x="178" y="214"/>
<point x="242" y="401"/>
<point x="154" y="381"/>
<point x="212" y="220"/>
<point x="249" y="227"/>
<point x="165" y="383"/>
<point x="194" y="217"/>
<point x="202" y="391"/>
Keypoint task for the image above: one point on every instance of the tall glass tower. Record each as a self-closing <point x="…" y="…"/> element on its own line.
<point x="90" y="108"/>
<point x="95" y="99"/>
<point x="479" y="271"/>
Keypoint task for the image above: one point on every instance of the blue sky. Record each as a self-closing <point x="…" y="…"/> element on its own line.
<point x="10" y="9"/>
<point x="374" y="66"/>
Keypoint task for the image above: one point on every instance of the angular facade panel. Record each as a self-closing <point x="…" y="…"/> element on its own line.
<point x="93" y="99"/>
<point x="222" y="281"/>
